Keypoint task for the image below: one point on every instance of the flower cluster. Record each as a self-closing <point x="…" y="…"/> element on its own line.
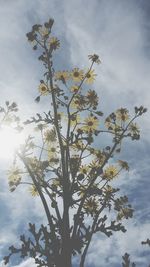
<point x="116" y="121"/>
<point x="76" y="75"/>
<point x="36" y="166"/>
<point x="40" y="35"/>
<point x="52" y="148"/>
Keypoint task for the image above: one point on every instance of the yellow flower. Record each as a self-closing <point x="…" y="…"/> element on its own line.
<point x="91" y="124"/>
<point x="56" y="183"/>
<point x="93" y="164"/>
<point x="108" y="124"/>
<point x="33" y="162"/>
<point x="36" y="166"/>
<point x="74" y="89"/>
<point x="53" y="154"/>
<point x="52" y="151"/>
<point x="111" y="125"/>
<point x="54" y="43"/>
<point x="122" y="114"/>
<point x="77" y="75"/>
<point x="92" y="97"/>
<point x="78" y="102"/>
<point x="33" y="191"/>
<point x="75" y="104"/>
<point x="82" y="191"/>
<point x="110" y="172"/>
<point x="91" y="206"/>
<point x="50" y="135"/>
<point x="90" y="77"/>
<point x="43" y="31"/>
<point x="84" y="169"/>
<point x="43" y="89"/>
<point x="14" y="176"/>
<point x="78" y="145"/>
<point x="134" y="128"/>
<point x="125" y="213"/>
<point x="100" y="156"/>
<point x="62" y="76"/>
<point x="108" y="190"/>
<point x="134" y="131"/>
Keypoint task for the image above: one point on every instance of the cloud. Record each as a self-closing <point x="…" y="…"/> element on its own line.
<point x="116" y="30"/>
<point x="110" y="250"/>
<point x="26" y="263"/>
<point x="18" y="209"/>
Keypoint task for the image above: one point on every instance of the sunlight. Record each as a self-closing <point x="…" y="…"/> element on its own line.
<point x="9" y="142"/>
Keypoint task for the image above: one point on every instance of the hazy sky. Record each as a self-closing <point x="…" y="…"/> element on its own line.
<point x="117" y="30"/>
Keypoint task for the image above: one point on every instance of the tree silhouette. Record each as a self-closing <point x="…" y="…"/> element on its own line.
<point x="70" y="172"/>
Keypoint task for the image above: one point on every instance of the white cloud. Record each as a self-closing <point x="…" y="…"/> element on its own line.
<point x="110" y="250"/>
<point x="26" y="263"/>
<point x="18" y="209"/>
<point x="116" y="33"/>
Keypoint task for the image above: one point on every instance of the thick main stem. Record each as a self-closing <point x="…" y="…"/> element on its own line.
<point x="66" y="250"/>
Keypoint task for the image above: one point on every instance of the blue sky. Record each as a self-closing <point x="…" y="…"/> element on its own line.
<point x="117" y="30"/>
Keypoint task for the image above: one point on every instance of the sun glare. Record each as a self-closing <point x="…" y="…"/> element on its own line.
<point x="9" y="142"/>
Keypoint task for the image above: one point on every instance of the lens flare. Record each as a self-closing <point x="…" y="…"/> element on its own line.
<point x="10" y="140"/>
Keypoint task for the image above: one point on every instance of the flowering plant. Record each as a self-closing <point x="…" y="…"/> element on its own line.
<point x="68" y="167"/>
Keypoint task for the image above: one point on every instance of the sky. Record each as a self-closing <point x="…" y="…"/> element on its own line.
<point x="119" y="32"/>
